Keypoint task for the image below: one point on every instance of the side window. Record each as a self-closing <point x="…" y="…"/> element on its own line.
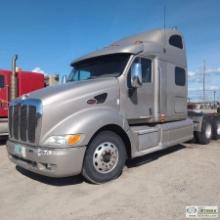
<point x="180" y="76"/>
<point x="146" y="70"/>
<point x="2" y="81"/>
<point x="176" y="41"/>
<point x="146" y="65"/>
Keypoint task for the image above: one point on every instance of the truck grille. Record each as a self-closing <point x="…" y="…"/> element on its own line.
<point x="32" y="122"/>
<point x="23" y="127"/>
<point x="24" y="120"/>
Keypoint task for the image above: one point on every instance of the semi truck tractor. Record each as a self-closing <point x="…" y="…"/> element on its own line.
<point x="13" y="84"/>
<point x="123" y="101"/>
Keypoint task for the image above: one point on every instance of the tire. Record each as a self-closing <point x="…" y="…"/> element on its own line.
<point x="205" y="135"/>
<point x="105" y="158"/>
<point x="216" y="128"/>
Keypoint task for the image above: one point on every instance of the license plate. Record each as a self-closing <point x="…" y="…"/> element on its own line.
<point x="20" y="150"/>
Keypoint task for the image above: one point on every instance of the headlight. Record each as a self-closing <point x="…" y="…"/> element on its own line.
<point x="63" y="140"/>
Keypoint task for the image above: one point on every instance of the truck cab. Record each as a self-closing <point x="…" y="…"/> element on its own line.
<point x="123" y="101"/>
<point x="4" y="93"/>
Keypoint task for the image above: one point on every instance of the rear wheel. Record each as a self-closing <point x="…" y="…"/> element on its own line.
<point x="105" y="158"/>
<point x="205" y="135"/>
<point x="216" y="128"/>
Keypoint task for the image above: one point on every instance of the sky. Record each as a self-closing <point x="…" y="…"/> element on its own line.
<point x="48" y="34"/>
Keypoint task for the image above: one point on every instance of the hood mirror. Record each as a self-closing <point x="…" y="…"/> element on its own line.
<point x="136" y="75"/>
<point x="63" y="79"/>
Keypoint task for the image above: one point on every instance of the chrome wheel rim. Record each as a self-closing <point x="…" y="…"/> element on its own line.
<point x="208" y="131"/>
<point x="218" y="128"/>
<point x="105" y="157"/>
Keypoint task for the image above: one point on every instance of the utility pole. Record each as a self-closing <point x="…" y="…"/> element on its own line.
<point x="204" y="72"/>
<point x="214" y="98"/>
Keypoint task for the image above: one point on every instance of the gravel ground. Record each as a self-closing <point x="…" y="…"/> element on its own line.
<point x="157" y="186"/>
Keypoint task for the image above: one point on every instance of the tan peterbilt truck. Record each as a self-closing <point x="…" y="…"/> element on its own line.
<point x="123" y="101"/>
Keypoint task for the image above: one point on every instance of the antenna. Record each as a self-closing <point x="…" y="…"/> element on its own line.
<point x="204" y="73"/>
<point x="164" y="27"/>
<point x="164" y="17"/>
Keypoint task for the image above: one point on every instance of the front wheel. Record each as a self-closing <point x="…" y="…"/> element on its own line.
<point x="105" y="158"/>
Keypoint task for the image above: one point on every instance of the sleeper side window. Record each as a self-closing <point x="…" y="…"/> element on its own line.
<point x="176" y="41"/>
<point x="2" y="81"/>
<point x="180" y="76"/>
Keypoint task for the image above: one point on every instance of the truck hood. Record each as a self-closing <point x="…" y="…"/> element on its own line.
<point x="73" y="90"/>
<point x="62" y="102"/>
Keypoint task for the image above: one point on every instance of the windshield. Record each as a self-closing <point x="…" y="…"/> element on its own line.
<point x="102" y="66"/>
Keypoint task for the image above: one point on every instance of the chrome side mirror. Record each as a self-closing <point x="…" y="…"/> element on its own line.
<point x="136" y="75"/>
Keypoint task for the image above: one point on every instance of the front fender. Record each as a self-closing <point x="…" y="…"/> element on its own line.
<point x="87" y="122"/>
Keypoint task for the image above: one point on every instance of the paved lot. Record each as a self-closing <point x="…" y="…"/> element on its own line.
<point x="157" y="186"/>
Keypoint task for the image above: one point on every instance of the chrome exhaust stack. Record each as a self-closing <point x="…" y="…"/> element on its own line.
<point x="13" y="83"/>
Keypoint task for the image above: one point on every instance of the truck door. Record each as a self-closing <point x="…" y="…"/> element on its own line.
<point x="3" y="96"/>
<point x="138" y="103"/>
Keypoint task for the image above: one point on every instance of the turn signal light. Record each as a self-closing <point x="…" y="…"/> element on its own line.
<point x="73" y="139"/>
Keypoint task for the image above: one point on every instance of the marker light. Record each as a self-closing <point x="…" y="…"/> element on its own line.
<point x="73" y="139"/>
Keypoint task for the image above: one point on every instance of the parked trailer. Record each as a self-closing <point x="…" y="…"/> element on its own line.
<point x="206" y="123"/>
<point x="123" y="101"/>
<point x="13" y="84"/>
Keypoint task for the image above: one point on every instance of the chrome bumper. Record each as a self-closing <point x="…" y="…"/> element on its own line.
<point x="46" y="161"/>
